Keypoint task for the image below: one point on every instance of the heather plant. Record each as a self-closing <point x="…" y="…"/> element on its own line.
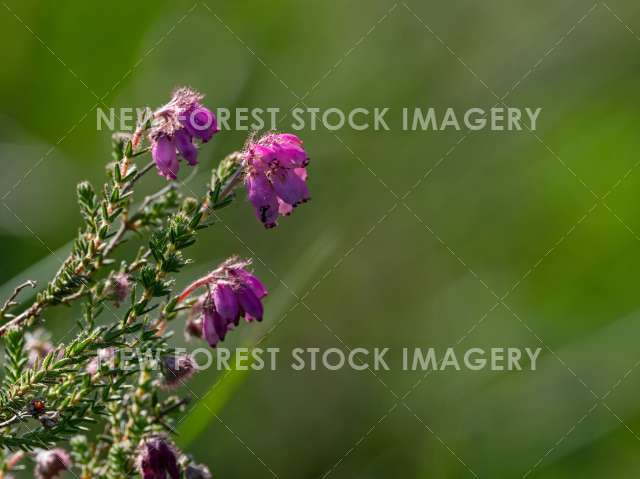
<point x="82" y="406"/>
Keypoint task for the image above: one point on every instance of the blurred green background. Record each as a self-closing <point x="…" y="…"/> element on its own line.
<point x="551" y="220"/>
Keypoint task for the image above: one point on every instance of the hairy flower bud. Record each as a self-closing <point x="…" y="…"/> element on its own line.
<point x="157" y="458"/>
<point x="177" y="369"/>
<point x="120" y="287"/>
<point x="51" y="463"/>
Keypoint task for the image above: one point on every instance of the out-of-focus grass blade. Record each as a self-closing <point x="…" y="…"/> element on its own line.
<point x="214" y="399"/>
<point x="41" y="272"/>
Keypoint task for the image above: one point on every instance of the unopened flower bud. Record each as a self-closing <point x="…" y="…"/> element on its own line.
<point x="177" y="369"/>
<point x="49" y="464"/>
<point x="120" y="287"/>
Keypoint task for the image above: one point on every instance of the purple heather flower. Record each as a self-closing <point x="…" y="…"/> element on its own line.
<point x="214" y="326"/>
<point x="233" y="293"/>
<point x="250" y="280"/>
<point x="51" y="463"/>
<point x="157" y="458"/>
<point x="226" y="302"/>
<point x="200" y="122"/>
<point x="250" y="303"/>
<point x="176" y="126"/>
<point x="163" y="151"/>
<point x="276" y="176"/>
<point x="184" y="142"/>
<point x="263" y="198"/>
<point x="177" y="369"/>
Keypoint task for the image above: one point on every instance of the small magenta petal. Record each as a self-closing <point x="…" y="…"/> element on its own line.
<point x="163" y="151"/>
<point x="226" y="303"/>
<point x="289" y="186"/>
<point x="250" y="303"/>
<point x="210" y="318"/>
<point x="288" y="150"/>
<point x="201" y="123"/>
<point x="263" y="198"/>
<point x="252" y="282"/>
<point x="186" y="147"/>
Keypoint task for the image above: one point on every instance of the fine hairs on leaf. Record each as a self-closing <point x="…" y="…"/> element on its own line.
<point x="103" y="404"/>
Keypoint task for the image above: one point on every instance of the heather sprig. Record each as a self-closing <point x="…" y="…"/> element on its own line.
<point x="88" y="405"/>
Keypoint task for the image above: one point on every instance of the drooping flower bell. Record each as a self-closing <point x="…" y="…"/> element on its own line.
<point x="51" y="463"/>
<point x="176" y="126"/>
<point x="157" y="458"/>
<point x="232" y="293"/>
<point x="276" y="176"/>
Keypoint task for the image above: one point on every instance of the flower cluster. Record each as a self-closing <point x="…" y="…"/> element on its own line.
<point x="177" y="125"/>
<point x="276" y="176"/>
<point x="233" y="293"/>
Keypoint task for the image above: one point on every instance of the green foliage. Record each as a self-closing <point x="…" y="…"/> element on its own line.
<point x="75" y="389"/>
